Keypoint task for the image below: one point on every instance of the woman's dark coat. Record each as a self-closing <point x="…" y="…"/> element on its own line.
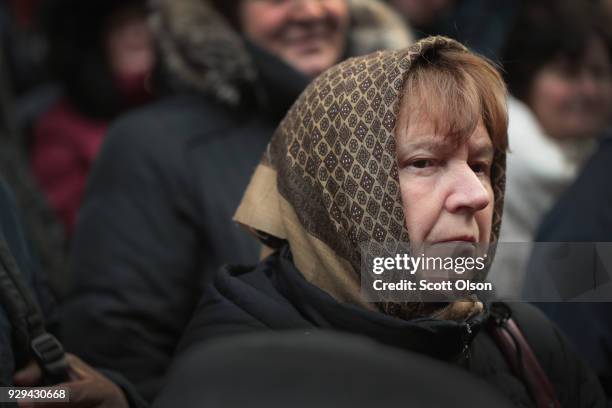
<point x="275" y="296"/>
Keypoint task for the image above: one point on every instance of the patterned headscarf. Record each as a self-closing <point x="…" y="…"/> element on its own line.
<point x="329" y="179"/>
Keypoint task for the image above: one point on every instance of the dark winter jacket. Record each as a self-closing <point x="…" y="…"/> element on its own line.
<point x="11" y="353"/>
<point x="584" y="211"/>
<point x="41" y="226"/>
<point x="18" y="244"/>
<point x="155" y="223"/>
<point x="11" y="232"/>
<point x="315" y="368"/>
<point x="275" y="296"/>
<point x="583" y="214"/>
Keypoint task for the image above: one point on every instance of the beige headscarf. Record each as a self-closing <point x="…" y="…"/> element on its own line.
<point x="329" y="179"/>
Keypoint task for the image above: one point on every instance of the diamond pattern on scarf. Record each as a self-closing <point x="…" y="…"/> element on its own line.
<point x="344" y="123"/>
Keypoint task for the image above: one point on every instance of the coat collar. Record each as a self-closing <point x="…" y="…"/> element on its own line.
<point x="441" y="339"/>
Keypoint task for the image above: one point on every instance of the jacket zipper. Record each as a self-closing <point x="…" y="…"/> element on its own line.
<point x="466" y="342"/>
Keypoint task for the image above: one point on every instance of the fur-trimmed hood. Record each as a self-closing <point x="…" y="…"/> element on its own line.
<point x="200" y="49"/>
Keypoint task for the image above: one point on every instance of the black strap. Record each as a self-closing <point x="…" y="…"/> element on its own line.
<point x="30" y="335"/>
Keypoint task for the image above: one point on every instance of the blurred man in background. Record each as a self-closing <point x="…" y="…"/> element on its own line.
<point x="157" y="217"/>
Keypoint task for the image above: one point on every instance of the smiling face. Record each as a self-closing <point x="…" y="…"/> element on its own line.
<point x="573" y="99"/>
<point x="446" y="189"/>
<point x="129" y="43"/>
<point x="309" y="35"/>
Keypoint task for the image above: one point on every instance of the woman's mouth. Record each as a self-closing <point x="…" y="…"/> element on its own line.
<point x="458" y="238"/>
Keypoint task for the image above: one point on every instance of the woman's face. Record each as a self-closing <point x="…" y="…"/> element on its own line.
<point x="310" y="35"/>
<point x="574" y="101"/>
<point x="129" y="43"/>
<point x="446" y="189"/>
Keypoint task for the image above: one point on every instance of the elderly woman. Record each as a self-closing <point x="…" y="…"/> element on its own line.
<point x="395" y="146"/>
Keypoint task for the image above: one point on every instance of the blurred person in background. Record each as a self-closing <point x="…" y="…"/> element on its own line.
<point x="482" y="25"/>
<point x="156" y="220"/>
<point x="558" y="70"/>
<point x="44" y="233"/>
<point x="24" y="44"/>
<point x="582" y="214"/>
<point x="24" y="318"/>
<point x="101" y="53"/>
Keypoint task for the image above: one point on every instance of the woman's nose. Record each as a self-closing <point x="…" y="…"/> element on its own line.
<point x="467" y="192"/>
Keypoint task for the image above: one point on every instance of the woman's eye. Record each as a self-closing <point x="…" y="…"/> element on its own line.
<point x="422" y="163"/>
<point x="480" y="168"/>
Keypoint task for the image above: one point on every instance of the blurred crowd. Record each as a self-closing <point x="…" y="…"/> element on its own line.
<point x="130" y="129"/>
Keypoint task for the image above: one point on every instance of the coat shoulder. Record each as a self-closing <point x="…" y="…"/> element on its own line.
<point x="162" y="134"/>
<point x="172" y="120"/>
